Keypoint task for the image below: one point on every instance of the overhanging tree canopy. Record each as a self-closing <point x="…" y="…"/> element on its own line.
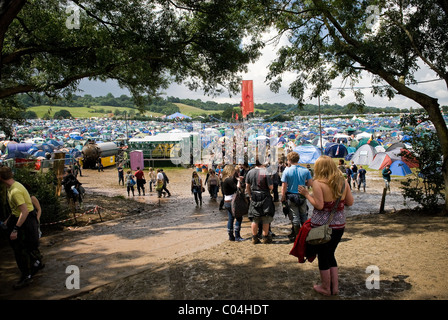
<point x="144" y="45"/>
<point x="388" y="39"/>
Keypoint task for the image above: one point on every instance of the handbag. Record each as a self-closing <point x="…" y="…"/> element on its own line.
<point x="322" y="234"/>
<point x="240" y="205"/>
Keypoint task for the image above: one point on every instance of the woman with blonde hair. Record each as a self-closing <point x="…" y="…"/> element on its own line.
<point x="196" y="188"/>
<point x="328" y="186"/>
<point x="231" y="183"/>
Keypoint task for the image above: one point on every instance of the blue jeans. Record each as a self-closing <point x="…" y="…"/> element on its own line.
<point x="214" y="191"/>
<point x="298" y="214"/>
<point x="231" y="219"/>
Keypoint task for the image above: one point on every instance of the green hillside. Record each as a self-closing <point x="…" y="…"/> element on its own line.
<point x="84" y="112"/>
<point x="194" y="111"/>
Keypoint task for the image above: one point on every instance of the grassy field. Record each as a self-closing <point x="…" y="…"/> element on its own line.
<point x="83" y="112"/>
<point x="193" y="111"/>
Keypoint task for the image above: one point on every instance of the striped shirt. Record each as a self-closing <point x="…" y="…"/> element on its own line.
<point x="320" y="217"/>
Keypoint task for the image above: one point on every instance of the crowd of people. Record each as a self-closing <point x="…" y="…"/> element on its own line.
<point x="254" y="189"/>
<point x="245" y="191"/>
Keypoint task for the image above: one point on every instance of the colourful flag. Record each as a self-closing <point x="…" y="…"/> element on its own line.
<point x="247" y="105"/>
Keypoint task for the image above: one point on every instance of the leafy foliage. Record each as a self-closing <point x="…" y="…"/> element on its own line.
<point x="144" y="45"/>
<point x="425" y="185"/>
<point x="43" y="187"/>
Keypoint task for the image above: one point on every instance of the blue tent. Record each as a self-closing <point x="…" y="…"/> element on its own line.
<point x="336" y="150"/>
<point x="399" y="168"/>
<point x="177" y="115"/>
<point x="307" y="153"/>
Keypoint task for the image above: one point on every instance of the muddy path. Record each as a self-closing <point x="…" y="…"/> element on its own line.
<point x="160" y="230"/>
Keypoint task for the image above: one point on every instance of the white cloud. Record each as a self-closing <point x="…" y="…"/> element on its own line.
<point x="258" y="72"/>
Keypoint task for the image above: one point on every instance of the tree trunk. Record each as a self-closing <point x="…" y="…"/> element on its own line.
<point x="432" y="107"/>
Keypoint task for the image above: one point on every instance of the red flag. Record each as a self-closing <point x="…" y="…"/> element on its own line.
<point x="247" y="105"/>
<point x="236" y="117"/>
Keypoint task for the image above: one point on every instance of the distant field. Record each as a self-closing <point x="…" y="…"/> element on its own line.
<point x="83" y="112"/>
<point x="193" y="111"/>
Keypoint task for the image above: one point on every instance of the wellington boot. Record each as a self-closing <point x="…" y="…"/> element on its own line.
<point x="334" y="280"/>
<point x="324" y="287"/>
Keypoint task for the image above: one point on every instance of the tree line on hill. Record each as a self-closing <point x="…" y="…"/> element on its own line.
<point x="167" y="106"/>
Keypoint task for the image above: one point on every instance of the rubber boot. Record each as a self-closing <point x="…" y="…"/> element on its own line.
<point x="292" y="235"/>
<point x="325" y="287"/>
<point x="231" y="236"/>
<point x="238" y="235"/>
<point x="334" y="280"/>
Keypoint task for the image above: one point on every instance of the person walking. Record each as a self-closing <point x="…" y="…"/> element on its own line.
<point x="100" y="165"/>
<point x="261" y="207"/>
<point x="152" y="176"/>
<point x="329" y="185"/>
<point x="196" y="188"/>
<point x="362" y="178"/>
<point x="230" y="184"/>
<point x="130" y="182"/>
<point x="386" y="176"/>
<point x="140" y="176"/>
<point x="120" y="175"/>
<point x="293" y="177"/>
<point x="23" y="228"/>
<point x="354" y="169"/>
<point x="159" y="184"/>
<point x="71" y="188"/>
<point x="165" y="182"/>
<point x="213" y="184"/>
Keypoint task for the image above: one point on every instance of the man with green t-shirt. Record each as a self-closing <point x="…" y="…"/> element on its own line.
<point x="23" y="228"/>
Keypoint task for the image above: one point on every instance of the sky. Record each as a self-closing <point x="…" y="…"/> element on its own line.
<point x="258" y="71"/>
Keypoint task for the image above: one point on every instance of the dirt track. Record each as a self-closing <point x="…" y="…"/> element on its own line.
<point x="173" y="250"/>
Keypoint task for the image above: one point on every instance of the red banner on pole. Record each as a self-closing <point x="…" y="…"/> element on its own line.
<point x="247" y="105"/>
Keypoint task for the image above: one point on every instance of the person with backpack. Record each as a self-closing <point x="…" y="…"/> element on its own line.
<point x="71" y="185"/>
<point x="130" y="182"/>
<point x="261" y="208"/>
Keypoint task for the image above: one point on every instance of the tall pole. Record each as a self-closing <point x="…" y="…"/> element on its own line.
<point x="320" y="126"/>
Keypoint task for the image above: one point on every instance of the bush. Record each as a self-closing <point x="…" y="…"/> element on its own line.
<point x="43" y="187"/>
<point x="426" y="186"/>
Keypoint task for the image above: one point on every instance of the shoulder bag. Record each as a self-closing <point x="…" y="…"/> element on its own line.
<point x="322" y="234"/>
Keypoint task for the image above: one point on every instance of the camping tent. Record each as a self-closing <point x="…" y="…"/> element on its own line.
<point x="399" y="168"/>
<point x="364" y="155"/>
<point x="177" y="115"/>
<point x="380" y="161"/>
<point x="336" y="150"/>
<point x="307" y="153"/>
